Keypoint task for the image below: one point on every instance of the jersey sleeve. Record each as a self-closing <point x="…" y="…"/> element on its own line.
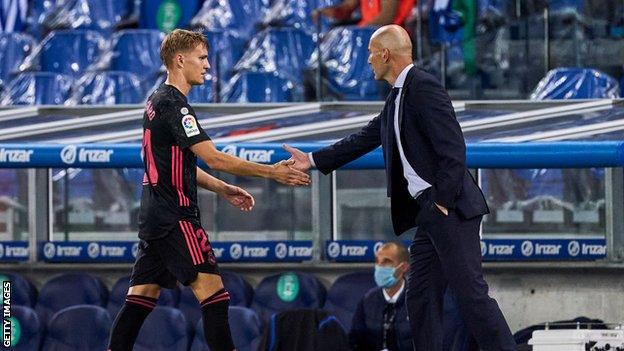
<point x="184" y="125"/>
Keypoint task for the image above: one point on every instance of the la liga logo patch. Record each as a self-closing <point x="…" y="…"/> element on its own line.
<point x="190" y="126"/>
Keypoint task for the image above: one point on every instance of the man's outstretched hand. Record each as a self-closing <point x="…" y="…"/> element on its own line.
<point x="300" y="158"/>
<point x="285" y="173"/>
<point x="238" y="197"/>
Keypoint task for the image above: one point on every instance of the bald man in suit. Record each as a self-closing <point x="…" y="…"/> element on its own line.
<point x="430" y="188"/>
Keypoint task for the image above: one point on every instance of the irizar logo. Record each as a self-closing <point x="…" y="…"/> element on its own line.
<point x="527" y="248"/>
<point x="13" y="251"/>
<point x="597" y="250"/>
<point x="353" y="250"/>
<point x="135" y="249"/>
<point x="257" y="252"/>
<point x="574" y="248"/>
<point x="93" y="250"/>
<point x="236" y="251"/>
<point x="15" y="155"/>
<point x="503" y="250"/>
<point x="261" y="156"/>
<point x="218" y="251"/>
<point x="281" y="250"/>
<point x="377" y="246"/>
<point x="69" y="154"/>
<point x="111" y="250"/>
<point x="299" y="251"/>
<point x="333" y="250"/>
<point x="49" y="250"/>
<point x="547" y="249"/>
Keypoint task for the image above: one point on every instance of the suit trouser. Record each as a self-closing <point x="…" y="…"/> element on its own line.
<point x="446" y="250"/>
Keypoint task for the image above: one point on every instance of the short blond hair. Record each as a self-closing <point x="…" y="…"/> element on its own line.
<point x="178" y="41"/>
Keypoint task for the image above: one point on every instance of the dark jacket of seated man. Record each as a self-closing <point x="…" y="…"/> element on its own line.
<point x="380" y="320"/>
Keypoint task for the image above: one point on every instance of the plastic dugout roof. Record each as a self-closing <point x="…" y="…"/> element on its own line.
<point x="481" y="120"/>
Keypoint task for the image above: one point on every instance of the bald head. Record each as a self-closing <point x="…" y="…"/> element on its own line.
<point x="394" y="38"/>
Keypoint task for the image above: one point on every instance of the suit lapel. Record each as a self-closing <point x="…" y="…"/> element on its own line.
<point x="408" y="80"/>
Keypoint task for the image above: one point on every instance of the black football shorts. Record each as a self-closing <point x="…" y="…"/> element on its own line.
<point x="179" y="256"/>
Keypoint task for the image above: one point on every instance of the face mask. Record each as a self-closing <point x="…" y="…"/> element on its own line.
<point x="384" y="276"/>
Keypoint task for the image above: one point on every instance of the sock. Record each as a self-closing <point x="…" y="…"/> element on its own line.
<point x="215" y="319"/>
<point x="129" y="321"/>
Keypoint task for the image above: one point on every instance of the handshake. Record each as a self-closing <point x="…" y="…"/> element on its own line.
<point x="293" y="170"/>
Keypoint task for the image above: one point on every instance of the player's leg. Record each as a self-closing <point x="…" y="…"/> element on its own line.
<point x="214" y="301"/>
<point x="140" y="300"/>
<point x="191" y="260"/>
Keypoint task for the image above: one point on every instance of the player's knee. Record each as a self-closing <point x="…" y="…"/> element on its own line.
<point x="206" y="285"/>
<point x="149" y="290"/>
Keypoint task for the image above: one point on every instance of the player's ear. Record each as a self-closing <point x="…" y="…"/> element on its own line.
<point x="179" y="60"/>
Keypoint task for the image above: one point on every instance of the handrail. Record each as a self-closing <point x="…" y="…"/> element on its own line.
<point x="478" y="155"/>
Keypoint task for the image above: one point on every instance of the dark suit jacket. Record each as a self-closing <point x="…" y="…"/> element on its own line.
<point x="433" y="144"/>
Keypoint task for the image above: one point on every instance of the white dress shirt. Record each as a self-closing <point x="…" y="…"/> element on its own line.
<point x="415" y="184"/>
<point x="395" y="297"/>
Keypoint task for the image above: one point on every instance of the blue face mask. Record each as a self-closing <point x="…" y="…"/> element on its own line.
<point x="384" y="276"/>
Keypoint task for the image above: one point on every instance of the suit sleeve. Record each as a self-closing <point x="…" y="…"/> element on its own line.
<point x="357" y="334"/>
<point x="437" y="119"/>
<point x="350" y="148"/>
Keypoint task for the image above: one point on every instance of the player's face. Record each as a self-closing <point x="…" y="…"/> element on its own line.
<point x="196" y="65"/>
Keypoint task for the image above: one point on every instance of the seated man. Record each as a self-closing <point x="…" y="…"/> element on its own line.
<point x="374" y="13"/>
<point x="380" y="321"/>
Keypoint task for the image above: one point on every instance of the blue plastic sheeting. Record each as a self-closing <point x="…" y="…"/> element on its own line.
<point x="201" y="93"/>
<point x="345" y="57"/>
<point x="137" y="51"/>
<point x="100" y="15"/>
<point x="258" y="87"/>
<point x="69" y="52"/>
<point x="14" y="47"/>
<point x="536" y="127"/>
<point x="224" y="51"/>
<point x="37" y="88"/>
<point x="236" y="17"/>
<point x="108" y="88"/>
<point x="166" y="15"/>
<point x="576" y="83"/>
<point x="13" y="15"/>
<point x="281" y="50"/>
<point x="296" y="14"/>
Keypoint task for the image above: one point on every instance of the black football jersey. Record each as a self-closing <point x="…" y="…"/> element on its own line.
<point x="170" y="127"/>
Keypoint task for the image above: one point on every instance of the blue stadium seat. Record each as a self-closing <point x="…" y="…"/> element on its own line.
<point x="224" y="51"/>
<point x="70" y="289"/>
<point x="245" y="326"/>
<point x="37" y="88"/>
<point x="296" y="14"/>
<point x="345" y="294"/>
<point x="107" y="88"/>
<point x="240" y="291"/>
<point x="100" y="15"/>
<point x="152" y="336"/>
<point x="168" y="297"/>
<point x="236" y="17"/>
<point x="167" y="15"/>
<point x="576" y="83"/>
<point x="14" y="47"/>
<point x="23" y="292"/>
<point x="78" y="328"/>
<point x="298" y="290"/>
<point x="31" y="330"/>
<point x="281" y="50"/>
<point x="258" y="87"/>
<point x="345" y="57"/>
<point x="137" y="51"/>
<point x="71" y="52"/>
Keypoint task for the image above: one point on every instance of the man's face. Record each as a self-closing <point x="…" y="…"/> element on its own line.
<point x="377" y="59"/>
<point x="196" y="65"/>
<point x="388" y="257"/>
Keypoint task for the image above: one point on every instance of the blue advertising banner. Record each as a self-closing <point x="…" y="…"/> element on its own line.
<point x="491" y="250"/>
<point x="122" y="251"/>
<point x="13" y="251"/>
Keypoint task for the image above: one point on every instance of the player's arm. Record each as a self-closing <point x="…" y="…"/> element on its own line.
<point x="219" y="161"/>
<point x="236" y="196"/>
